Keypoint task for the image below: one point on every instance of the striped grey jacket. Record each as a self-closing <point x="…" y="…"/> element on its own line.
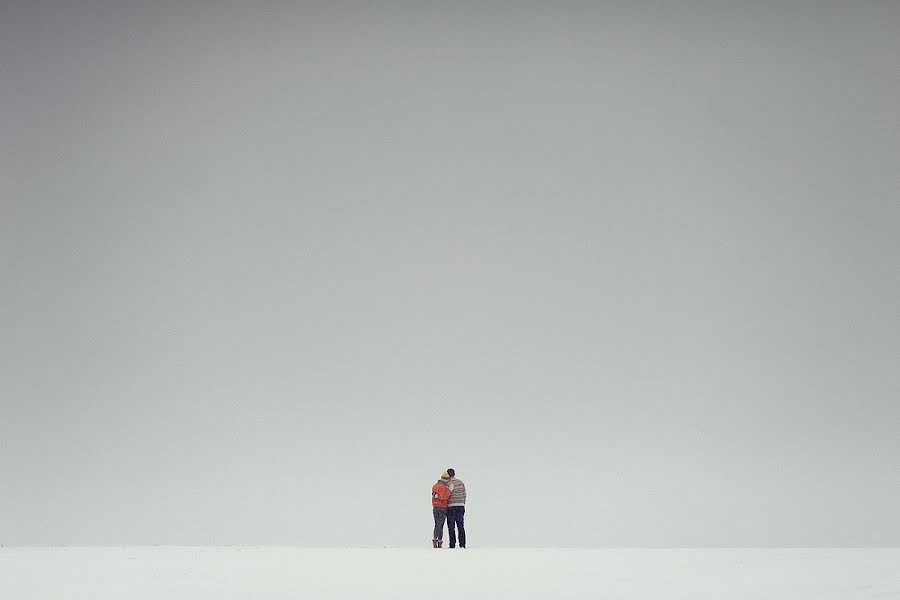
<point x="457" y="492"/>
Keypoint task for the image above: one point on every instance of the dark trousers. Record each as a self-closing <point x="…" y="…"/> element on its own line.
<point x="440" y="515"/>
<point x="455" y="517"/>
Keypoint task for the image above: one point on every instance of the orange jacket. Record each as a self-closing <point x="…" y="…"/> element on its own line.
<point x="440" y="494"/>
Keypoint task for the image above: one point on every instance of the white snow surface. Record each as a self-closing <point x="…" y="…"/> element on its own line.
<point x="222" y="573"/>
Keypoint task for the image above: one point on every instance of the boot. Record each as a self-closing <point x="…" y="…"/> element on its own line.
<point x="434" y="543"/>
<point x="440" y="543"/>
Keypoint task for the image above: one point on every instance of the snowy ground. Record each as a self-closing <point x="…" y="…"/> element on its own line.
<point x="196" y="573"/>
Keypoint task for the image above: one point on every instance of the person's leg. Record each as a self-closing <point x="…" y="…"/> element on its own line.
<point x="434" y="532"/>
<point x="451" y="525"/>
<point x="440" y="515"/>
<point x="460" y="518"/>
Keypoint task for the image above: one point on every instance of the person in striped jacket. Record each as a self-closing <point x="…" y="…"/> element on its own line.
<point x="456" y="509"/>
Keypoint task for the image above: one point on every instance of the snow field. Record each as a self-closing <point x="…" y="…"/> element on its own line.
<point x="224" y="573"/>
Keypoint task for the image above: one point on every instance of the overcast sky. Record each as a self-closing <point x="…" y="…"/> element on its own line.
<point x="631" y="268"/>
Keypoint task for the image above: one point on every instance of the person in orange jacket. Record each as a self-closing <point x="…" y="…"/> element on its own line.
<point x="440" y="495"/>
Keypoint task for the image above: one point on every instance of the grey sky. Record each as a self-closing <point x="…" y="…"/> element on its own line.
<point x="630" y="268"/>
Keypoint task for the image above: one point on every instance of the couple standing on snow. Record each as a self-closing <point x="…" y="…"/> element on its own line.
<point x="448" y="501"/>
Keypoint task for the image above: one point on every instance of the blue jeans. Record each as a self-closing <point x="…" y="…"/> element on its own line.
<point x="455" y="520"/>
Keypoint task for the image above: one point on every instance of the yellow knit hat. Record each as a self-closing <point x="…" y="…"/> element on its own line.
<point x="445" y="475"/>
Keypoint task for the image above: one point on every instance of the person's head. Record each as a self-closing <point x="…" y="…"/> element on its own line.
<point x="450" y="473"/>
<point x="445" y="477"/>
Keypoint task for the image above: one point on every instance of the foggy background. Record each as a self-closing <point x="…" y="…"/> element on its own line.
<point x="630" y="268"/>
